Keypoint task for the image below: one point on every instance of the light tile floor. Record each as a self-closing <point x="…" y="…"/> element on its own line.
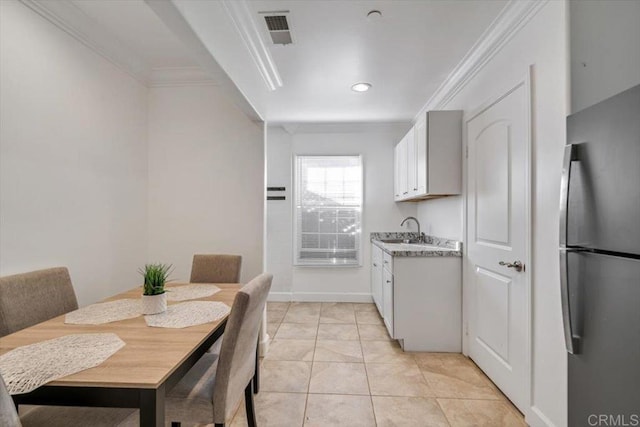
<point x="333" y="364"/>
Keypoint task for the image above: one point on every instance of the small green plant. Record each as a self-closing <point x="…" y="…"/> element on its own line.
<point x="155" y="277"/>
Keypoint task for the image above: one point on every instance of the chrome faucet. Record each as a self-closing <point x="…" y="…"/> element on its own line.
<point x="420" y="238"/>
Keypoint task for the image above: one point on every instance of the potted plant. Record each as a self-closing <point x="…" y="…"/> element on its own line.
<point x="154" y="298"/>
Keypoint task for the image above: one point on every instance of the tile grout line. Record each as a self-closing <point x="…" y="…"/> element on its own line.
<point x="366" y="372"/>
<point x="499" y="399"/>
<point x="446" y="417"/>
<point x="315" y="344"/>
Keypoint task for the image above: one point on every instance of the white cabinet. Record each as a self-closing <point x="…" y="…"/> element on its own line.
<point x="427" y="303"/>
<point x="429" y="163"/>
<point x="419" y="299"/>
<point x="396" y="172"/>
<point x="387" y="300"/>
<point x="420" y="134"/>
<point x="376" y="276"/>
<point x="382" y="285"/>
<point x="412" y="177"/>
<point x="401" y="174"/>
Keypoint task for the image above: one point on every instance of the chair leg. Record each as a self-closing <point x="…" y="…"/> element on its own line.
<point x="218" y="425"/>
<point x="256" y="376"/>
<point x="248" y="402"/>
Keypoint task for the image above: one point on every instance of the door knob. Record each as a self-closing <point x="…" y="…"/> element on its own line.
<point x="517" y="265"/>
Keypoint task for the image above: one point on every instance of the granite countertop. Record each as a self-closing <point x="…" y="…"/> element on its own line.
<point x="432" y="246"/>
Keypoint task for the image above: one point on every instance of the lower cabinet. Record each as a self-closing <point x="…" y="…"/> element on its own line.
<point x="376" y="276"/>
<point x="387" y="300"/>
<point x="420" y="300"/>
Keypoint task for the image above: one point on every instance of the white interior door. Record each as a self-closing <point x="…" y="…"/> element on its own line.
<point x="498" y="237"/>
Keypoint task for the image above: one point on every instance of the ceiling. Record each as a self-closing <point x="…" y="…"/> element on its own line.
<point x="136" y="26"/>
<point x="406" y="54"/>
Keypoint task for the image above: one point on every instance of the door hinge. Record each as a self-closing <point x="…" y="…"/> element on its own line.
<point x="466" y="152"/>
<point x="466" y="329"/>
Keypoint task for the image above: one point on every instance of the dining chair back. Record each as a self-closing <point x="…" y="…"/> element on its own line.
<point x="8" y="412"/>
<point x="30" y="298"/>
<point x="216" y="269"/>
<point x="236" y="364"/>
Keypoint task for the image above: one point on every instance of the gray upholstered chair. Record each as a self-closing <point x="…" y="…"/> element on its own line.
<point x="25" y="300"/>
<point x="8" y="413"/>
<point x="30" y="298"/>
<point x="215" y="384"/>
<point x="58" y="416"/>
<point x="216" y="269"/>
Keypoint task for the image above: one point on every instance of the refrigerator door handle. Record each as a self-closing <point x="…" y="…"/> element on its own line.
<point x="572" y="341"/>
<point x="569" y="157"/>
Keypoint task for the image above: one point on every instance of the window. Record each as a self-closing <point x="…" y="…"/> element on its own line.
<point x="328" y="210"/>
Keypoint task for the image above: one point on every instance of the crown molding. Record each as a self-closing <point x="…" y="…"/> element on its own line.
<point x="175" y="21"/>
<point x="515" y="15"/>
<point x="180" y="76"/>
<point x="242" y="18"/>
<point x="72" y="20"/>
<point x="69" y="18"/>
<point x="342" y="127"/>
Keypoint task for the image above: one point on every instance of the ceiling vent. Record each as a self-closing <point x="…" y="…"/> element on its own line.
<point x="278" y="27"/>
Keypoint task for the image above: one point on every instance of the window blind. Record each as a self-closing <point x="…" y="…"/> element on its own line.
<point x="328" y="210"/>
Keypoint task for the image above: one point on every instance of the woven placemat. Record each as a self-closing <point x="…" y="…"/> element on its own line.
<point x="105" y="312"/>
<point x="188" y="313"/>
<point x="192" y="291"/>
<point x="26" y="368"/>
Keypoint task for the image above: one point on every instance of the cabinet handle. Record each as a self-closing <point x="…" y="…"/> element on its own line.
<point x="375" y="265"/>
<point x="386" y="262"/>
<point x="388" y="281"/>
<point x="415" y="189"/>
<point x="406" y="192"/>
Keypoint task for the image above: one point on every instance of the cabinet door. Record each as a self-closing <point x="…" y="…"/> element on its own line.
<point x="412" y="160"/>
<point x="420" y="136"/>
<point x="402" y="170"/>
<point x="444" y="156"/>
<point x="387" y="300"/>
<point x="376" y="277"/>
<point x="396" y="172"/>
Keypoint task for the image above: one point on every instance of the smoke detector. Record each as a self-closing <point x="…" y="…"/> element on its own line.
<point x="278" y="27"/>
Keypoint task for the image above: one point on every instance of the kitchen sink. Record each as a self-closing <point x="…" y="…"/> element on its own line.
<point x="408" y="241"/>
<point x="401" y="246"/>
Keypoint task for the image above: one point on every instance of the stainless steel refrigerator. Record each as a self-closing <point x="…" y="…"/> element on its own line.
<point x="600" y="261"/>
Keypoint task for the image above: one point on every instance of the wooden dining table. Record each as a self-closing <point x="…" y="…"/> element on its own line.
<point x="138" y="375"/>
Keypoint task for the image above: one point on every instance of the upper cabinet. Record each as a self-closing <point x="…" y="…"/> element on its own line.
<point x="404" y="179"/>
<point x="428" y="160"/>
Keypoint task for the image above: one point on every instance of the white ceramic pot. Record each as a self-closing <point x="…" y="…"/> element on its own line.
<point x="154" y="304"/>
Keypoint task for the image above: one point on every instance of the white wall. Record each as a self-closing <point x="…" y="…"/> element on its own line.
<point x="206" y="179"/>
<point x="541" y="43"/>
<point x="375" y="144"/>
<point x="73" y="162"/>
<point x="605" y="56"/>
<point x="442" y="217"/>
<point x="279" y="235"/>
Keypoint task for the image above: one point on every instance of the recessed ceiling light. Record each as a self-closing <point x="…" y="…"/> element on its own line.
<point x="361" y="87"/>
<point x="374" y="14"/>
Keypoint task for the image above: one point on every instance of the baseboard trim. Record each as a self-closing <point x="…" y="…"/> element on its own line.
<point x="535" y="418"/>
<point x="320" y="297"/>
<point x="279" y="296"/>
